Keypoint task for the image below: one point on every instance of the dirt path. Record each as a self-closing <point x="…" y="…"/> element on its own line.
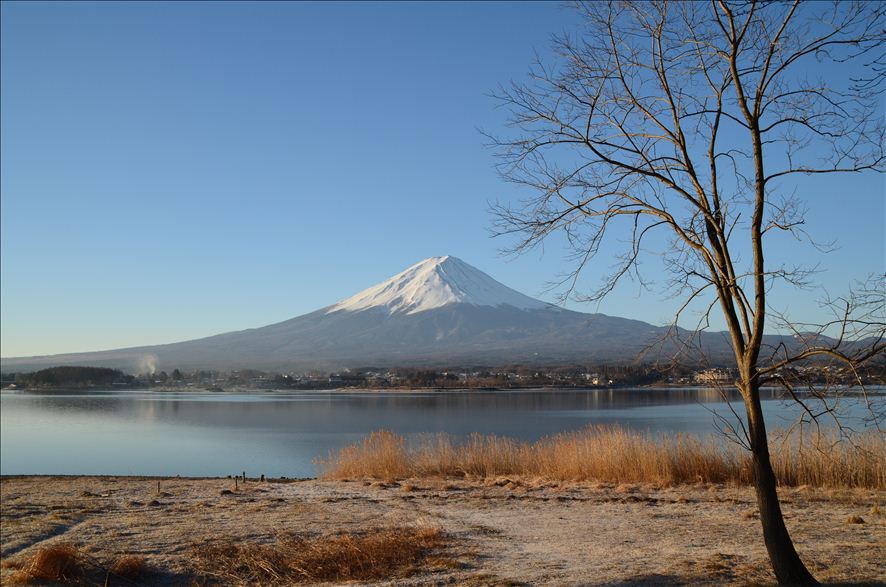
<point x="503" y="531"/>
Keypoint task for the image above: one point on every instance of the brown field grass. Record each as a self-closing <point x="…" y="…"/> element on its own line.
<point x="613" y="454"/>
<point x="130" y="566"/>
<point x="823" y="462"/>
<point x="375" y="554"/>
<point x="65" y="564"/>
<point x="500" y="530"/>
<point x="58" y="563"/>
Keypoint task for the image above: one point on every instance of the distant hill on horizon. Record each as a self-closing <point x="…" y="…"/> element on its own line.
<point x="438" y="312"/>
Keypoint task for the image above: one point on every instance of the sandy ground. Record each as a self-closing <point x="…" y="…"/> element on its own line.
<point x="504" y="532"/>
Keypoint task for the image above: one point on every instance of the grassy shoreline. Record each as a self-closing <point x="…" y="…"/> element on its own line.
<point x="615" y="455"/>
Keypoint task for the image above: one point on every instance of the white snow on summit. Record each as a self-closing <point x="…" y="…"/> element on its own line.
<point x="434" y="283"/>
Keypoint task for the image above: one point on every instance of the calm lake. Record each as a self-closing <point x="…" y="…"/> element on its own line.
<point x="280" y="433"/>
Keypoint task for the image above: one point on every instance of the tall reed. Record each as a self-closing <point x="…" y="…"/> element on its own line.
<point x="616" y="455"/>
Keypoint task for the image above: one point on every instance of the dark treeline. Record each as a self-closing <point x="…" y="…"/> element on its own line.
<point x="517" y="376"/>
<point x="76" y="377"/>
<point x="506" y="377"/>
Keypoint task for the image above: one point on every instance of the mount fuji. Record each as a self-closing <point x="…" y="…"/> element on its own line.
<point x="439" y="312"/>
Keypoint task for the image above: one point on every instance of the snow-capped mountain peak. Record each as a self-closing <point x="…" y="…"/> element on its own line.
<point x="433" y="283"/>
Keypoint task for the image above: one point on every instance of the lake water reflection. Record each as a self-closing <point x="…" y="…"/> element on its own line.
<point x="280" y="433"/>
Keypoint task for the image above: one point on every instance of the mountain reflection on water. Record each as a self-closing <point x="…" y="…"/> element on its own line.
<point x="281" y="433"/>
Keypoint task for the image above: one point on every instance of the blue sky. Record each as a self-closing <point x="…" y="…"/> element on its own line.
<point x="175" y="170"/>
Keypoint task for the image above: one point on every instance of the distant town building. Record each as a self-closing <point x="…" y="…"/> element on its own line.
<point x="711" y="376"/>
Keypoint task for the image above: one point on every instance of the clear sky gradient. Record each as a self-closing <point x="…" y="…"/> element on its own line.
<point x="175" y="170"/>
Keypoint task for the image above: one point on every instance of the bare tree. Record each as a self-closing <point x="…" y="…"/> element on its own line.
<point x="691" y="118"/>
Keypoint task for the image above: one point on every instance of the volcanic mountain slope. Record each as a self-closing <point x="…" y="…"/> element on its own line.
<point x="438" y="312"/>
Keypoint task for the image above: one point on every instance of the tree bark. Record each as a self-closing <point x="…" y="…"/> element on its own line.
<point x="789" y="569"/>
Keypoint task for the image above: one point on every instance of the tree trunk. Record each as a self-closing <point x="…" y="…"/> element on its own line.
<point x="789" y="569"/>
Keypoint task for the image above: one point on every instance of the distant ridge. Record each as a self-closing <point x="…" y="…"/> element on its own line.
<point x="440" y="311"/>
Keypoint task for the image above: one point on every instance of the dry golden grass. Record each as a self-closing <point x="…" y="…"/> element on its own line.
<point x="58" y="563"/>
<point x="821" y="461"/>
<point x="376" y="554"/>
<point x="65" y="564"/>
<point x="130" y="566"/>
<point x="613" y="455"/>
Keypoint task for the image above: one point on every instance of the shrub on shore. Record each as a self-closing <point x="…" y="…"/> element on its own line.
<point x="614" y="454"/>
<point x="65" y="564"/>
<point x="130" y="566"/>
<point x="379" y="554"/>
<point x="56" y="563"/>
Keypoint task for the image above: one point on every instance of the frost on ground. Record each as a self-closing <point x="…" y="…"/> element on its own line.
<point x="500" y="531"/>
